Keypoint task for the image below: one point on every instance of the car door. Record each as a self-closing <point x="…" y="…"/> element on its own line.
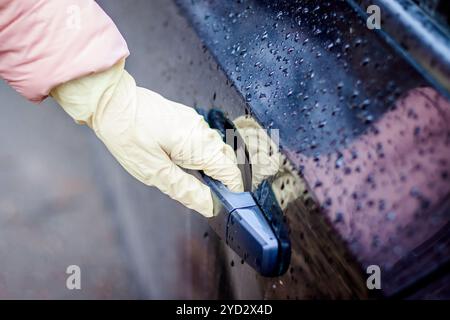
<point x="362" y="122"/>
<point x="363" y="118"/>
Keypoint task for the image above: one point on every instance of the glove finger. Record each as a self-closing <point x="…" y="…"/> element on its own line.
<point x="206" y="151"/>
<point x="185" y="188"/>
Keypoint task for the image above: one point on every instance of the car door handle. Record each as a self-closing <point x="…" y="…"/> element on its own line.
<point x="238" y="221"/>
<point x="241" y="222"/>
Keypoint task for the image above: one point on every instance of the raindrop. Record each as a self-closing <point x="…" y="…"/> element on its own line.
<point x="368" y="119"/>
<point x="365" y="103"/>
<point x="365" y="61"/>
<point x="339" y="217"/>
<point x="322" y="123"/>
<point x="264" y="35"/>
<point x="339" y="161"/>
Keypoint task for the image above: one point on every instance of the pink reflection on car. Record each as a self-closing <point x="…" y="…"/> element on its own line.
<point x="384" y="190"/>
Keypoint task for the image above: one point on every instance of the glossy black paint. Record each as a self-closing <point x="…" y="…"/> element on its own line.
<point x="310" y="70"/>
<point x="423" y="40"/>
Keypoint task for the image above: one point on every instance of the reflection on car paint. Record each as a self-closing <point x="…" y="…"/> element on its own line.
<point x="384" y="188"/>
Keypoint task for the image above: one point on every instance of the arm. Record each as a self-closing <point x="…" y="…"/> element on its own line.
<point x="150" y="136"/>
<point x="82" y="66"/>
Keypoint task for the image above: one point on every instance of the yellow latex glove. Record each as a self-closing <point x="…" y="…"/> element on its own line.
<point x="150" y="136"/>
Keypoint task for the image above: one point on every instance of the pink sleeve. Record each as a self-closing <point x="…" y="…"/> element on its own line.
<point x="44" y="43"/>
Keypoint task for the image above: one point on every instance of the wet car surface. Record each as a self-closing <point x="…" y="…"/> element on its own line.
<point x="367" y="132"/>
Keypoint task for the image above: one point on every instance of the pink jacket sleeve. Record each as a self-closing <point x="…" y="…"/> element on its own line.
<point x="44" y="43"/>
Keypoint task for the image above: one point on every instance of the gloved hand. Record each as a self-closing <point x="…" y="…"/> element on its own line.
<point x="151" y="137"/>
